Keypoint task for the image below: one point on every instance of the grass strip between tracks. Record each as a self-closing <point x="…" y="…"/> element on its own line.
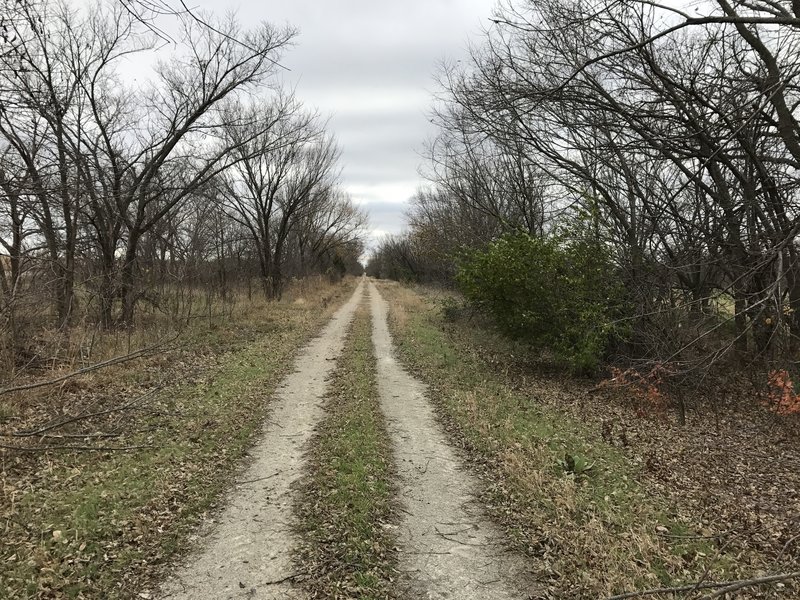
<point x="345" y="512"/>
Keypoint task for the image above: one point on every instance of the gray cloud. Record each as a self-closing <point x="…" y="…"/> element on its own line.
<point x="387" y="217"/>
<point x="370" y="65"/>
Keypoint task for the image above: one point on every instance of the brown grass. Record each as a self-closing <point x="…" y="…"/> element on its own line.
<point x="43" y="350"/>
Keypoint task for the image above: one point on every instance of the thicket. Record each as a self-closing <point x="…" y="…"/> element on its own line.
<point x="560" y="295"/>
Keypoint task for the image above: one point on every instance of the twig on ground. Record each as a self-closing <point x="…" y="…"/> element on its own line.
<point x="78" y="436"/>
<point x="738" y="585"/>
<point x="106" y="363"/>
<point x="786" y="547"/>
<point x="678" y="536"/>
<point x="722" y="587"/>
<point x="258" y="479"/>
<point x="83" y="416"/>
<point x="71" y="448"/>
<point x="290" y="577"/>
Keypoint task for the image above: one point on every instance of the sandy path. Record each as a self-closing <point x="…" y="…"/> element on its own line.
<point x="449" y="549"/>
<point x="247" y="553"/>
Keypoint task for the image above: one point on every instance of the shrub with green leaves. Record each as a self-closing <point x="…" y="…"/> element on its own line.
<point x="559" y="294"/>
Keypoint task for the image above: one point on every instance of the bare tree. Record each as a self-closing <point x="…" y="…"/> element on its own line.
<point x="283" y="170"/>
<point x="118" y="196"/>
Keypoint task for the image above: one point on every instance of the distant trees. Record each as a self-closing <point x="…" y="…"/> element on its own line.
<point x="284" y="176"/>
<point x="111" y="187"/>
<point x="670" y="138"/>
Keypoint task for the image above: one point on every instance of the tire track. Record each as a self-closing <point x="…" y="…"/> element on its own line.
<point x="247" y="553"/>
<point x="449" y="548"/>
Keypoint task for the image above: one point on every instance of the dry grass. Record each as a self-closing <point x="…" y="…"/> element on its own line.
<point x="102" y="524"/>
<point x="582" y="507"/>
<point x="41" y="349"/>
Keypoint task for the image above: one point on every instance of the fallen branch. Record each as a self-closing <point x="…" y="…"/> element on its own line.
<point x="258" y="479"/>
<point x="79" y="436"/>
<point x="72" y="448"/>
<point x="290" y="577"/>
<point x="722" y="587"/>
<point x="738" y="585"/>
<point x="83" y="416"/>
<point x="677" y="536"/>
<point x="101" y="365"/>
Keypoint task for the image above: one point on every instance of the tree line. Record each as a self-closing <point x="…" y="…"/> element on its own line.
<point x="139" y="150"/>
<point x="665" y="139"/>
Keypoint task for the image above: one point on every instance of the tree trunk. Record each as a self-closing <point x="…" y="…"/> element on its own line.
<point x="740" y="321"/>
<point x="128" y="290"/>
<point x="107" y="292"/>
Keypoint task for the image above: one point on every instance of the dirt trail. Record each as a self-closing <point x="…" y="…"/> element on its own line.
<point x="247" y="553"/>
<point x="449" y="548"/>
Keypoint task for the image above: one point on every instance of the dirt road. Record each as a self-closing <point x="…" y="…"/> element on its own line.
<point x="448" y="548"/>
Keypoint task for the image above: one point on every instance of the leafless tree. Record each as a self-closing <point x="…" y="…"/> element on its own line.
<point x="117" y="194"/>
<point x="668" y="137"/>
<point x="284" y="173"/>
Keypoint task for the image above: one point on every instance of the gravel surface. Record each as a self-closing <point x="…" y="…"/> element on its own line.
<point x="448" y="546"/>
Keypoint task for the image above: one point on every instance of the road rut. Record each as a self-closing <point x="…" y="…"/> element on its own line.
<point x="448" y="547"/>
<point x="248" y="552"/>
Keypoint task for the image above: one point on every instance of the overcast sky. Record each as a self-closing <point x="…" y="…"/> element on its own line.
<point x="370" y="65"/>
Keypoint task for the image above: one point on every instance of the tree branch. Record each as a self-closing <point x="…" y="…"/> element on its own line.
<point x="107" y="363"/>
<point x="721" y="587"/>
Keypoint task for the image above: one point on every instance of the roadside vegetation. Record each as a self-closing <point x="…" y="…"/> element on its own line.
<point x="612" y="205"/>
<point x="563" y="296"/>
<point x="604" y="498"/>
<point x="346" y="517"/>
<point x="618" y="182"/>
<point x="159" y="440"/>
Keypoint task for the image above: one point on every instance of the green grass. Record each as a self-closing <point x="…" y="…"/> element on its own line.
<point x="593" y="530"/>
<point x="345" y="511"/>
<point x="104" y="524"/>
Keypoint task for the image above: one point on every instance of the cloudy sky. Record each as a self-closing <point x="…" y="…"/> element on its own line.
<point x="370" y="65"/>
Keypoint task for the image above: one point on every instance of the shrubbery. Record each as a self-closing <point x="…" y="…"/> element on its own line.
<point x="561" y="295"/>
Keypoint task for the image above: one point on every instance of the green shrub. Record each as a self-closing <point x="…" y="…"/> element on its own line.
<point x="562" y="295"/>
